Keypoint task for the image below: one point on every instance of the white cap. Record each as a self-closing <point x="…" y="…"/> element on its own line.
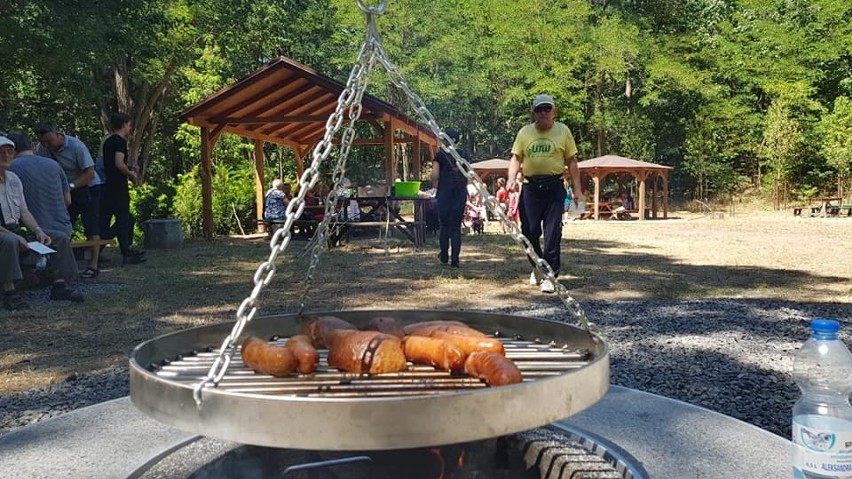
<point x="543" y="100"/>
<point x="5" y="141"/>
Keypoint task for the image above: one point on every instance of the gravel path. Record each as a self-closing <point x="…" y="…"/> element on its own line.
<point x="731" y="356"/>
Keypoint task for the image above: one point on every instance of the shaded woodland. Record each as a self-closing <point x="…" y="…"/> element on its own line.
<point x="743" y="96"/>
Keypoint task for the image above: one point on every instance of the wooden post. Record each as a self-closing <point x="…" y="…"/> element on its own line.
<point x="206" y="184"/>
<point x="390" y="164"/>
<point x="415" y="155"/>
<point x="665" y="194"/>
<point x="259" y="182"/>
<point x="299" y="153"/>
<point x="642" y="176"/>
<point x="597" y="181"/>
<point x="654" y="205"/>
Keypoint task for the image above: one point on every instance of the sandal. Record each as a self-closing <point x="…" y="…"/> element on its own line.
<point x="14" y="302"/>
<point x="90" y="273"/>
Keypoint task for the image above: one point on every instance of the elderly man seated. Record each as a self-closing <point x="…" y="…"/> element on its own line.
<point x="13" y="215"/>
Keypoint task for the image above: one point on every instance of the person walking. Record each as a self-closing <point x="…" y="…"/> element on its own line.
<point x="452" y="198"/>
<point x="117" y="192"/>
<point x="545" y="152"/>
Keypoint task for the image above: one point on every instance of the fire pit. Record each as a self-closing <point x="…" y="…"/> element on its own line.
<point x="551" y="452"/>
<point x="566" y="370"/>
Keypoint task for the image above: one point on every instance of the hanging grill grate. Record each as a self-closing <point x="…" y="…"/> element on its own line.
<point x="565" y="368"/>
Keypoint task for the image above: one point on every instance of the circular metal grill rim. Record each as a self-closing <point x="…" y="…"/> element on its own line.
<point x="371" y="422"/>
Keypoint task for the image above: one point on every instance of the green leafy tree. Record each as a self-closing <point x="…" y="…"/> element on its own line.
<point x="780" y="150"/>
<point x="836" y="129"/>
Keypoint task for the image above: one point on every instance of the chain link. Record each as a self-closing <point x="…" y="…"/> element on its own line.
<point x="447" y="144"/>
<point x="351" y="98"/>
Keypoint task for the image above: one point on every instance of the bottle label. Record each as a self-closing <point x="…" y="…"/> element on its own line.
<point x="822" y="449"/>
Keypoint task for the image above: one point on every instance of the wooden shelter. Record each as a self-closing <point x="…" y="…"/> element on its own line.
<point x="487" y="168"/>
<point x="603" y="166"/>
<point x="287" y="103"/>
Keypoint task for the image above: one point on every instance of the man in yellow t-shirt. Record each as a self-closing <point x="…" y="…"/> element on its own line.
<point x="545" y="152"/>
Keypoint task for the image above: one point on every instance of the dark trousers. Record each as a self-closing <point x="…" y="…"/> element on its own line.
<point x="117" y="205"/>
<point x="450" y="214"/>
<point x="540" y="209"/>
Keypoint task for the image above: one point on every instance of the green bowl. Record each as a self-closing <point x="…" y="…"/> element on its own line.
<point x="406" y="188"/>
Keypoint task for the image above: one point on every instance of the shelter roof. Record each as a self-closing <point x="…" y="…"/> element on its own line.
<point x="285" y="102"/>
<point x="493" y="164"/>
<point x="619" y="162"/>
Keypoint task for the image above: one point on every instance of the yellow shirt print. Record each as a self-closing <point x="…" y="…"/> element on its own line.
<point x="544" y="153"/>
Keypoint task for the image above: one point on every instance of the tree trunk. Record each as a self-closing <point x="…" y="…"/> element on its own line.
<point x="601" y="123"/>
<point x="143" y="105"/>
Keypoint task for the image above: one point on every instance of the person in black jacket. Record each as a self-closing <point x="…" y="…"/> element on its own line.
<point x="452" y="197"/>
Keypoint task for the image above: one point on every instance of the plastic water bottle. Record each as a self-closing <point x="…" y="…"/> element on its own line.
<point x="41" y="263"/>
<point x="822" y="417"/>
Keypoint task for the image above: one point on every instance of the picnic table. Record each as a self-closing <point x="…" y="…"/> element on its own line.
<point x="385" y="212"/>
<point x="825" y="205"/>
<point x="373" y="212"/>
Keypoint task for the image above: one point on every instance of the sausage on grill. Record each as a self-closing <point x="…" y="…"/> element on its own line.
<point x="493" y="368"/>
<point x="318" y="327"/>
<point x="434" y="352"/>
<point x="426" y="328"/>
<point x="386" y="325"/>
<point x="306" y="355"/>
<point x="365" y="352"/>
<point x="265" y="358"/>
<point x="470" y="344"/>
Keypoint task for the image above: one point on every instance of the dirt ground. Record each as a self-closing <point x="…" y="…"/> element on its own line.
<point x="689" y="256"/>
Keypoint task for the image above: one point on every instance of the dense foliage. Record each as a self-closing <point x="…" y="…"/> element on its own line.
<point x="736" y="95"/>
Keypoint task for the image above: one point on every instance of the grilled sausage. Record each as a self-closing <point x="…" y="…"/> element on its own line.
<point x="434" y="352"/>
<point x="426" y="328"/>
<point x="265" y="358"/>
<point x="386" y="325"/>
<point x="493" y="368"/>
<point x="366" y="352"/>
<point x="470" y="344"/>
<point x="306" y="355"/>
<point x="318" y="327"/>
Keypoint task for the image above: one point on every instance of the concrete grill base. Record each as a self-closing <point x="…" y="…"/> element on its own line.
<point x="670" y="438"/>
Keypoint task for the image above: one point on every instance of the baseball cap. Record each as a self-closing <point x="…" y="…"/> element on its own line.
<point x="5" y="141"/>
<point x="453" y="134"/>
<point x="543" y="100"/>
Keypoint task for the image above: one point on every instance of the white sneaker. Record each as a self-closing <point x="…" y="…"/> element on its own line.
<point x="534" y="279"/>
<point x="547" y="287"/>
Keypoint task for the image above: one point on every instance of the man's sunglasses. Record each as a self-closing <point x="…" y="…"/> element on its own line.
<point x="543" y="108"/>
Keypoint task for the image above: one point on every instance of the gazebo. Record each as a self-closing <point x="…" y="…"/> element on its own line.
<point x="487" y="168"/>
<point x="601" y="167"/>
<point x="287" y="103"/>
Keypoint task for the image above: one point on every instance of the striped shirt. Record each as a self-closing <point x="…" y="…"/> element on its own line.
<point x="45" y="186"/>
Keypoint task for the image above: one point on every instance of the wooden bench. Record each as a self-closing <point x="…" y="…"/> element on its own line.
<point x="90" y="243"/>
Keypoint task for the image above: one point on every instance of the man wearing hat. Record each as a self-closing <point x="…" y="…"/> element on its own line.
<point x="544" y="151"/>
<point x="14" y="214"/>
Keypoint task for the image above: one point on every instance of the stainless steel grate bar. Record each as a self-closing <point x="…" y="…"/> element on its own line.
<point x="535" y="360"/>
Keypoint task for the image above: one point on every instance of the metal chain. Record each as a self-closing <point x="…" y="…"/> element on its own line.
<point x="350" y="97"/>
<point x="448" y="146"/>
<point x="334" y="200"/>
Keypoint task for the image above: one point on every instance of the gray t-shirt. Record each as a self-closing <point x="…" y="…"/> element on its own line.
<point x="45" y="185"/>
<point x="74" y="157"/>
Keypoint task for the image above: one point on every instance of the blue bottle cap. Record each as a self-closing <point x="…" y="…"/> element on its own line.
<point x="823" y="325"/>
